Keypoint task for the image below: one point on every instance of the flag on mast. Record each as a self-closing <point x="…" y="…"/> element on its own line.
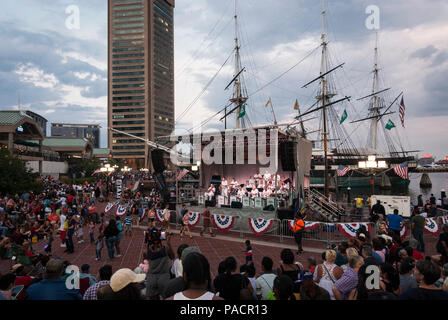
<point x="296" y="105"/>
<point x="402" y="170"/>
<point x="267" y="103"/>
<point x="342" y="171"/>
<point x="344" y="116"/>
<point x="401" y="111"/>
<point x="243" y="112"/>
<point x="390" y="125"/>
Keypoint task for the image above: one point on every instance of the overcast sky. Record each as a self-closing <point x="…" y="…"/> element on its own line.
<point x="61" y="73"/>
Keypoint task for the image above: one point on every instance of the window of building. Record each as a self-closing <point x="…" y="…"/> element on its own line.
<point x="131" y="37"/>
<point x="129" y="7"/>
<point x="128" y="25"/>
<point x="128" y="13"/>
<point x="127" y="43"/>
<point x="128" y="31"/>
<point x="128" y="49"/>
<point x="129" y="110"/>
<point x="121" y="74"/>
<point x="128" y="92"/>
<point x="128" y="67"/>
<point x="128" y="19"/>
<point x="127" y="79"/>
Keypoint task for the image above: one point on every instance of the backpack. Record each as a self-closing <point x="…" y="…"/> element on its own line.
<point x="299" y="224"/>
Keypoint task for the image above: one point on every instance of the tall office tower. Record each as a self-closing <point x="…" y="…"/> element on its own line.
<point x="141" y="76"/>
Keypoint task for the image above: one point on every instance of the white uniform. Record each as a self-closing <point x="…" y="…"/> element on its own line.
<point x="241" y="193"/>
<point x="225" y="188"/>
<point x="254" y="192"/>
<point x="210" y="193"/>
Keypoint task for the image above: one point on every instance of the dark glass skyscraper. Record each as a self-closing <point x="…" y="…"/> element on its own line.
<point x="141" y="76"/>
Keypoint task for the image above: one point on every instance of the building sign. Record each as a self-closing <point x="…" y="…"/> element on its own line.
<point x="119" y="189"/>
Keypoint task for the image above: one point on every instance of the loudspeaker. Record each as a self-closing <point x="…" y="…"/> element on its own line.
<point x="287" y="156"/>
<point x="225" y="206"/>
<point x="157" y="161"/>
<point x="210" y="203"/>
<point x="285" y="214"/>
<point x="269" y="208"/>
<point x="193" y="203"/>
<point x="236" y="205"/>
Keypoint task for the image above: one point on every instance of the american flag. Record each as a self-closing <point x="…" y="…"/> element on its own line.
<point x="402" y="170"/>
<point x="342" y="171"/>
<point x="401" y="111"/>
<point x="181" y="174"/>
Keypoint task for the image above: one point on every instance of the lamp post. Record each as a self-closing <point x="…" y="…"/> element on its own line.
<point x="372" y="166"/>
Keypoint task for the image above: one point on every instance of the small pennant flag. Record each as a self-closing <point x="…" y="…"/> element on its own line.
<point x="267" y="103"/>
<point x="243" y="112"/>
<point x="296" y="105"/>
<point x="344" y="116"/>
<point x="401" y="111"/>
<point x="390" y="125"/>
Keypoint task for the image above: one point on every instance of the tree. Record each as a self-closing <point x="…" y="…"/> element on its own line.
<point x="87" y="166"/>
<point x="15" y="177"/>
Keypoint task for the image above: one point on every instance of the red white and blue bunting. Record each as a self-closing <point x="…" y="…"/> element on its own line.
<point x="159" y="215"/>
<point x="223" y="223"/>
<point x="444" y="220"/>
<point x="308" y="225"/>
<point x="350" y="229"/>
<point x="431" y="226"/>
<point x="109" y="207"/>
<point x="121" y="210"/>
<point x="260" y="225"/>
<point x="194" y="218"/>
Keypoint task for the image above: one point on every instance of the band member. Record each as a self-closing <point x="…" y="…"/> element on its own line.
<point x="234" y="184"/>
<point x="224" y="188"/>
<point x="241" y="193"/>
<point x="210" y="192"/>
<point x="254" y="193"/>
<point x="267" y="176"/>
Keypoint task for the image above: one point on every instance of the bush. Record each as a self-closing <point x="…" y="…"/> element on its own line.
<point x="15" y="176"/>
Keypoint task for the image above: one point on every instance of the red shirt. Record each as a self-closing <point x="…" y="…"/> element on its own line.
<point x="25" y="281"/>
<point x="417" y="255"/>
<point x="70" y="198"/>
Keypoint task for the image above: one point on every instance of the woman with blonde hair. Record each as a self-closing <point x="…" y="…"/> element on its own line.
<point x="350" y="252"/>
<point x="327" y="273"/>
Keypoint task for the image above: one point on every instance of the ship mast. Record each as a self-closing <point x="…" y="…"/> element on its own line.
<point x="374" y="108"/>
<point x="238" y="100"/>
<point x="323" y="98"/>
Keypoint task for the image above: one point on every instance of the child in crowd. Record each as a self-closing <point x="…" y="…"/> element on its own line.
<point x="92" y="231"/>
<point x="128" y="224"/>
<point x="79" y="231"/>
<point x="248" y="252"/>
<point x="99" y="243"/>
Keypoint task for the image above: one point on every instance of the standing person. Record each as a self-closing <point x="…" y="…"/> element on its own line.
<point x="79" y="231"/>
<point x="110" y="234"/>
<point x="390" y="279"/>
<point x="442" y="244"/>
<point x="378" y="211"/>
<point x="328" y="272"/>
<point x="420" y="201"/>
<point x="206" y="222"/>
<point x="230" y="283"/>
<point x="152" y="217"/>
<point x="128" y="224"/>
<point x="349" y="280"/>
<point x="62" y="230"/>
<point x="185" y="225"/>
<point x="432" y="199"/>
<point x="265" y="282"/>
<point x="70" y="233"/>
<point x="298" y="227"/>
<point x="197" y="278"/>
<point x="119" y="236"/>
<point x="92" y="231"/>
<point x="417" y="227"/>
<point x="248" y="252"/>
<point x="166" y="219"/>
<point x="395" y="222"/>
<point x="406" y="269"/>
<point x="99" y="243"/>
<point x="105" y="275"/>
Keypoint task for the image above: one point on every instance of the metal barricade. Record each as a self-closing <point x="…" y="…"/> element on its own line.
<point x="274" y="231"/>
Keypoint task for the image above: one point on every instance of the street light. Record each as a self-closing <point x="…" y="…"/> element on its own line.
<point x="126" y="169"/>
<point x="372" y="165"/>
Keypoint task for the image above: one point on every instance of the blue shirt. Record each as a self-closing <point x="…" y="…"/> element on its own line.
<point x="394" y="221"/>
<point x="377" y="257"/>
<point x="51" y="289"/>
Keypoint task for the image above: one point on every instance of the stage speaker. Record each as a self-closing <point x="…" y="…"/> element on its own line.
<point x="172" y="206"/>
<point x="269" y="208"/>
<point x="210" y="203"/>
<point x="236" y="205"/>
<point x="285" y="214"/>
<point x="225" y="206"/>
<point x="157" y="161"/>
<point x="287" y="156"/>
<point x="194" y="203"/>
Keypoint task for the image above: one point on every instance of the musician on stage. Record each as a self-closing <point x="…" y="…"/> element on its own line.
<point x="210" y="192"/>
<point x="224" y="187"/>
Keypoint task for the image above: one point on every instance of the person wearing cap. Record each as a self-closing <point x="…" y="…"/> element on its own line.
<point x="124" y="284"/>
<point x="52" y="286"/>
<point x="85" y="274"/>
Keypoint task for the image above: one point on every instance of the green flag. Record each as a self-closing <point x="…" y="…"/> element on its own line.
<point x="344" y="116"/>
<point x="390" y="125"/>
<point x="243" y="112"/>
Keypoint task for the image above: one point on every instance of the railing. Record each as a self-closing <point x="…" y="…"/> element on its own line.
<point x="323" y="205"/>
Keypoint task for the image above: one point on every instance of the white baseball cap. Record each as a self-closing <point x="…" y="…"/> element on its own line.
<point x="123" y="277"/>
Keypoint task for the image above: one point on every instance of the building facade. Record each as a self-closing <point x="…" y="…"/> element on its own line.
<point x="141" y="76"/>
<point x="41" y="121"/>
<point x="87" y="131"/>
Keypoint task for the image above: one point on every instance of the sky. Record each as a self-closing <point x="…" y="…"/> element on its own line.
<point x="61" y="72"/>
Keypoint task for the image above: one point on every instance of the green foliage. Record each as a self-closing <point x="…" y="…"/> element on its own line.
<point x="117" y="162"/>
<point x="88" y="166"/>
<point x="15" y="177"/>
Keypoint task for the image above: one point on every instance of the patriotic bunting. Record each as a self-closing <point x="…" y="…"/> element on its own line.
<point x="350" y="229"/>
<point x="223" y="223"/>
<point x="444" y="220"/>
<point x="260" y="225"/>
<point x="121" y="210"/>
<point x="194" y="218"/>
<point x="109" y="207"/>
<point x="431" y="226"/>
<point x="308" y="225"/>
<point x="159" y="215"/>
<point x="403" y="231"/>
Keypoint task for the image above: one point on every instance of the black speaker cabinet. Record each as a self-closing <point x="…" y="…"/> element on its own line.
<point x="210" y="203"/>
<point x="157" y="160"/>
<point x="285" y="214"/>
<point x="287" y="156"/>
<point x="236" y="205"/>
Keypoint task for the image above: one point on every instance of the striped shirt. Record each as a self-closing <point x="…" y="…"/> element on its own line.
<point x="90" y="293"/>
<point x="128" y="221"/>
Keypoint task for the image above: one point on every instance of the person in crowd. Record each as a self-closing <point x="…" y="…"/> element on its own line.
<point x="196" y="274"/>
<point x="176" y="268"/>
<point x="370" y="256"/>
<point x="390" y="279"/>
<point x="327" y="273"/>
<point x="442" y="244"/>
<point x="283" y="288"/>
<point x="341" y="254"/>
<point x="120" y="234"/>
<point x="311" y="264"/>
<point x="379" y="248"/>
<point x="166" y="218"/>
<point x="417" y="228"/>
<point x="426" y="273"/>
<point x="85" y="274"/>
<point x="124" y="285"/>
<point x="395" y="222"/>
<point x="309" y="290"/>
<point x="229" y="284"/>
<point x="288" y="267"/>
<point x="210" y="192"/>
<point x="110" y="236"/>
<point x="349" y="280"/>
<point x="206" y="222"/>
<point x="70" y="233"/>
<point x="406" y="270"/>
<point x="6" y="284"/>
<point x="105" y="275"/>
<point x="185" y="228"/>
<point x="128" y="224"/>
<point x="249" y="252"/>
<point x="152" y="217"/>
<point x="265" y="281"/>
<point x="52" y="286"/>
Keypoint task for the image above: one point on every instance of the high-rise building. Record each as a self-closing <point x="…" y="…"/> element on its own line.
<point x="141" y="76"/>
<point x="41" y="121"/>
<point x="68" y="130"/>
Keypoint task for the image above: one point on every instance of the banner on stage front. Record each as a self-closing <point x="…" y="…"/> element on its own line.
<point x="246" y="202"/>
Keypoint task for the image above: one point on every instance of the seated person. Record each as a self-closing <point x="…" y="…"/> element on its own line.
<point x="241" y="193"/>
<point x="254" y="193"/>
<point x="210" y="192"/>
